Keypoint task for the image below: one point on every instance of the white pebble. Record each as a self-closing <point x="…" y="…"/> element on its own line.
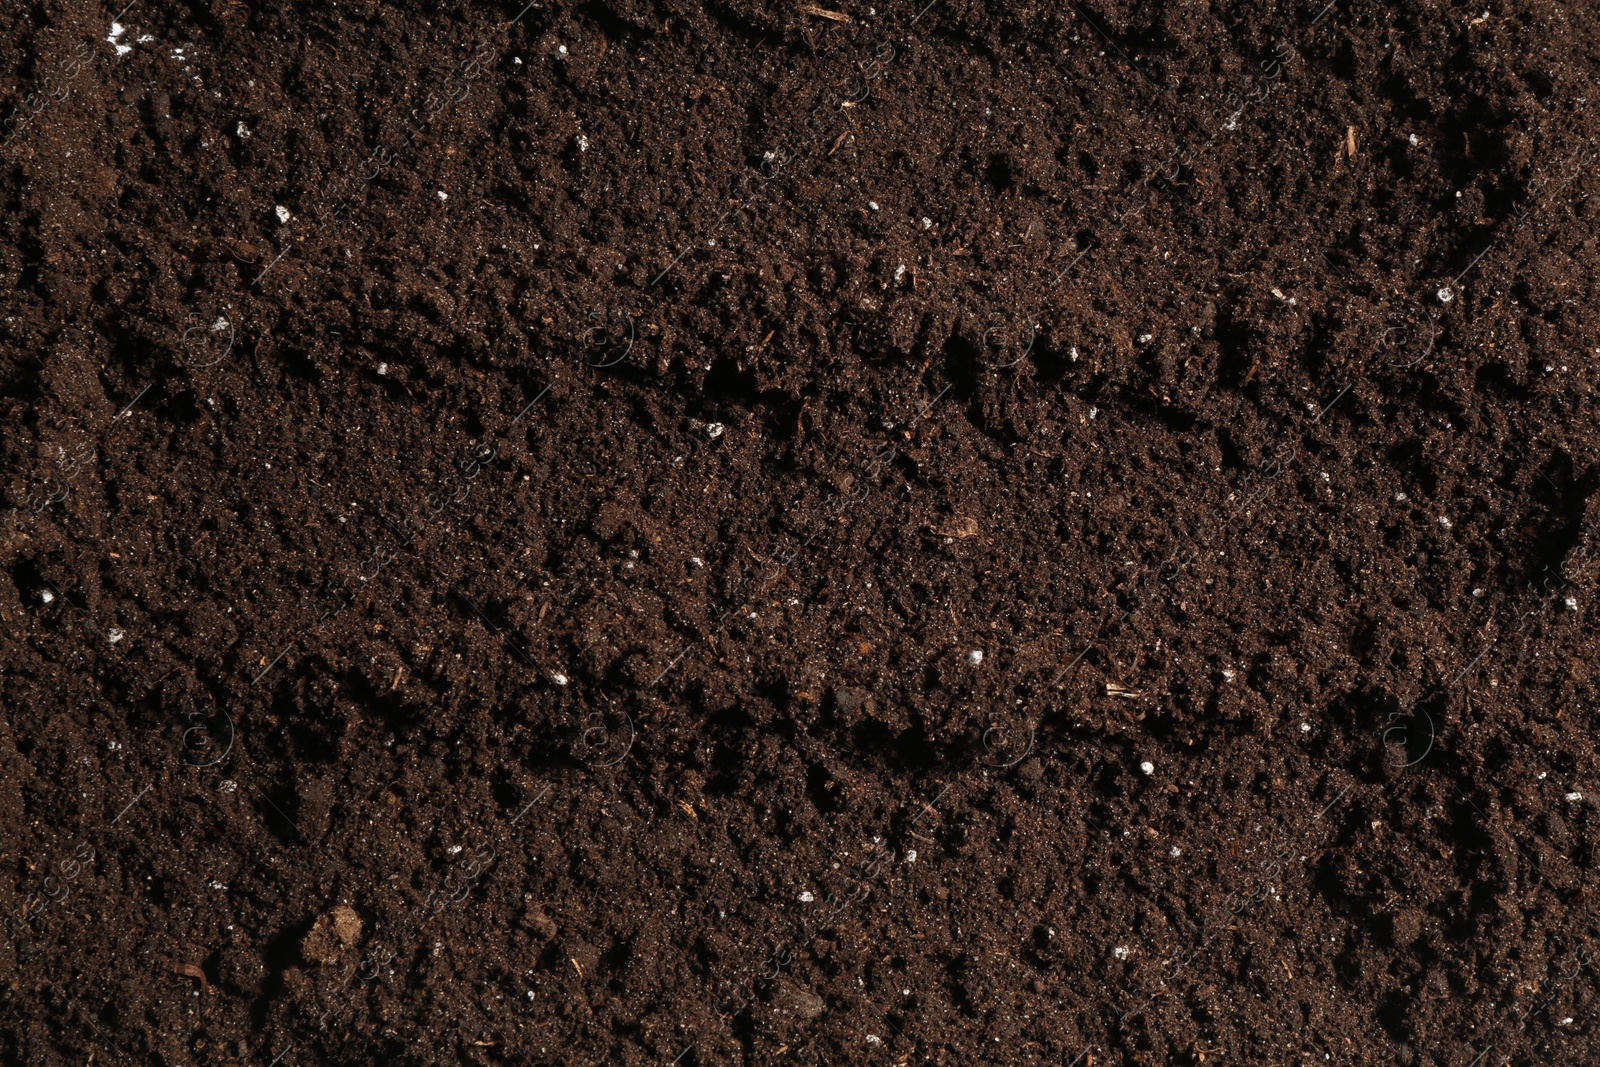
<point x="975" y="657"/>
<point x="114" y="635"/>
<point x="1227" y="674"/>
<point x="1412" y="138"/>
<point x="807" y="897"/>
<point x="697" y="561"/>
<point x="873" y="204"/>
<point x="1400" y="498"/>
<point x="1176" y="852"/>
<point x="1446" y="294"/>
<point x="243" y="131"/>
<point x="282" y="213"/>
<point x="383" y="370"/>
<point x="714" y="430"/>
<point x="559" y="678"/>
<point x="583" y="143"/>
<point x="1147" y="767"/>
<point x="874" y="1040"/>
<point x="1444" y="520"/>
<point x="911" y="855"/>
<point x="1571" y="602"/>
<point x="1146" y="338"/>
<point x="561" y="50"/>
<point x="1121" y="953"/>
<point x="1574" y="796"/>
<point x="443" y="195"/>
<point x="1305" y="728"/>
<point x="1478" y="592"/>
<point x="926" y="222"/>
<point x="900" y="272"/>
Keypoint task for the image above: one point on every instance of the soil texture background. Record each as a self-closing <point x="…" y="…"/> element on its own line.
<point x="640" y="532"/>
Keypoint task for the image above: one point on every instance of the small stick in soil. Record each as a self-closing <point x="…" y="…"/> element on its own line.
<point x="824" y="13"/>
<point x="190" y="970"/>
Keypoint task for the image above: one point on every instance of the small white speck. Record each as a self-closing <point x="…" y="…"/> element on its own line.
<point x="216" y="884"/>
<point x="282" y="213"/>
<point x="1549" y="369"/>
<point x="443" y="195"/>
<point x="1325" y="476"/>
<point x="583" y="143"/>
<point x="975" y="657"/>
<point x="559" y="678"/>
<point x="47" y="596"/>
<point x="1478" y="592"/>
<point x="1444" y="520"/>
<point x="873" y="204"/>
<point x="228" y="785"/>
<point x="1227" y="674"/>
<point x="911" y="855"/>
<point x="1571" y="602"/>
<point x="1147" y="767"/>
<point x="1445" y="293"/>
<point x="900" y="272"/>
<point x="1543" y="775"/>
<point x="453" y="849"/>
<point x="1093" y="411"/>
<point x="927" y="223"/>
<point x="1567" y="1021"/>
<point x="807" y="897"/>
<point x="874" y="1040"/>
<point x="1400" y="498"/>
<point x="1412" y="139"/>
<point x="1305" y="728"/>
<point x="243" y="131"/>
<point x="1574" y="796"/>
<point x="1121" y="953"/>
<point x="697" y="561"/>
<point x="1175" y="852"/>
<point x="714" y="430"/>
<point x="1146" y="338"/>
<point x="114" y="635"/>
<point x="561" y="50"/>
<point x="1073" y="352"/>
<point x="383" y="370"/>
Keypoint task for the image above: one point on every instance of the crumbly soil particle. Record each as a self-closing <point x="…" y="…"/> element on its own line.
<point x="503" y="504"/>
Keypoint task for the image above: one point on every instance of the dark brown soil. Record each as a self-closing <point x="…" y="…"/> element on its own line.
<point x="504" y="511"/>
